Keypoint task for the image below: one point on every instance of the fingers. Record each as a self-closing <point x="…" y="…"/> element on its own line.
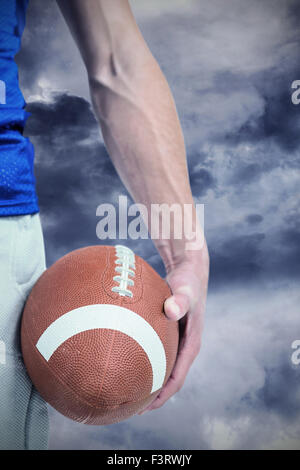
<point x="176" y="306"/>
<point x="182" y="301"/>
<point x="164" y="395"/>
<point x="176" y="380"/>
<point x="186" y="305"/>
<point x="188" y="350"/>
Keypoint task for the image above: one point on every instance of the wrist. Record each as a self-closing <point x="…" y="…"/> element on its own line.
<point x="188" y="249"/>
<point x="185" y="235"/>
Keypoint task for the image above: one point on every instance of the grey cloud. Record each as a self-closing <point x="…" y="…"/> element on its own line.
<point x="254" y="219"/>
<point x="201" y="180"/>
<point x="71" y="162"/>
<point x="238" y="258"/>
<point x="280" y="391"/>
<point x="247" y="173"/>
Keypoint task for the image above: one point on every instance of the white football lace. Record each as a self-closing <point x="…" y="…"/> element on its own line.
<point x="125" y="266"/>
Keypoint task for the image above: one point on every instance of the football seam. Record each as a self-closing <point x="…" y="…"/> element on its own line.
<point x="110" y="257"/>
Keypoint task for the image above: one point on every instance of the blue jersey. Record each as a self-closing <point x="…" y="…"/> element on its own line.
<point x="17" y="182"/>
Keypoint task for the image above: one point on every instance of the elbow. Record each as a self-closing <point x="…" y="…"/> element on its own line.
<point x="103" y="73"/>
<point x="120" y="69"/>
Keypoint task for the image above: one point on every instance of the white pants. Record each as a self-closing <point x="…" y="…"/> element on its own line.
<point x="23" y="413"/>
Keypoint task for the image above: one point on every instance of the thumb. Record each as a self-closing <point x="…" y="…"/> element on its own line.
<point x="179" y="303"/>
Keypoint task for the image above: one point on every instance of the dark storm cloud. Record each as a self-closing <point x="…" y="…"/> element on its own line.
<point x="294" y="12"/>
<point x="254" y="219"/>
<point x="280" y="392"/>
<point x="67" y="115"/>
<point x="73" y="171"/>
<point x="289" y="240"/>
<point x="257" y="256"/>
<point x="201" y="180"/>
<point x="238" y="259"/>
<point x="291" y="237"/>
<point x="281" y="118"/>
<point x="247" y="173"/>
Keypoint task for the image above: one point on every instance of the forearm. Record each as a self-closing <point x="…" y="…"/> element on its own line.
<point x="143" y="135"/>
<point x="144" y="139"/>
<point x="135" y="109"/>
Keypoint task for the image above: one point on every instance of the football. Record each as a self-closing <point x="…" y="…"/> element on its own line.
<point x="95" y="340"/>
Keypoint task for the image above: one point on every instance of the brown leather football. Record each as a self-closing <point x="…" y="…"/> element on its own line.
<point x="95" y="340"/>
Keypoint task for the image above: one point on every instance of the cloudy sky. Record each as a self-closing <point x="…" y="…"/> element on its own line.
<point x="230" y="66"/>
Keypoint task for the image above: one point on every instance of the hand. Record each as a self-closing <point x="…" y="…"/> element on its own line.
<point x="188" y="280"/>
